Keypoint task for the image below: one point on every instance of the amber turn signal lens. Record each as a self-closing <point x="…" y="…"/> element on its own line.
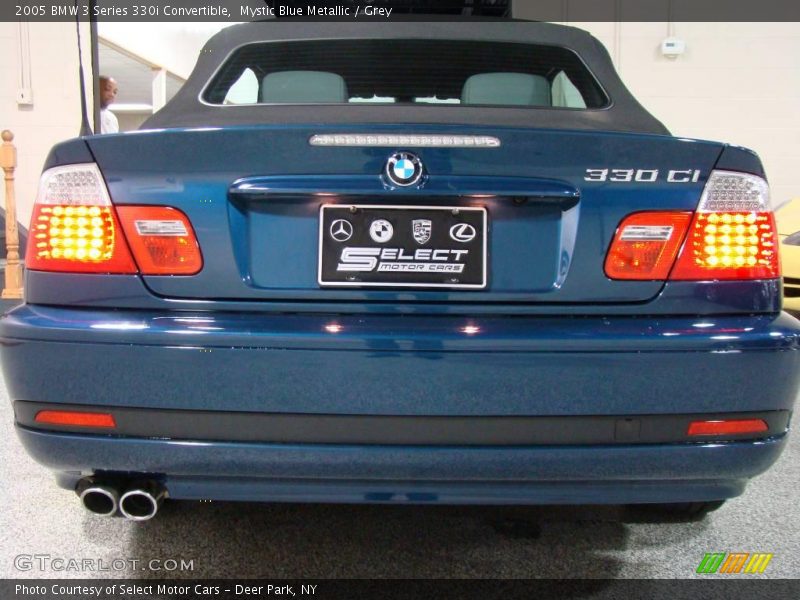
<point x="730" y="245"/>
<point x="77" y="239"/>
<point x="73" y="227"/>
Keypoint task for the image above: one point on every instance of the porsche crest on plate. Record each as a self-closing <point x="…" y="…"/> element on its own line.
<point x="421" y="228"/>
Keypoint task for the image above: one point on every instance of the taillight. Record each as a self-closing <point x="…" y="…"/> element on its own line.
<point x="162" y="240"/>
<point x="733" y="234"/>
<point x="645" y="245"/>
<point x="74" y="227"/>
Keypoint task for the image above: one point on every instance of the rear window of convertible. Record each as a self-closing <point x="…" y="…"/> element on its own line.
<point x="403" y="71"/>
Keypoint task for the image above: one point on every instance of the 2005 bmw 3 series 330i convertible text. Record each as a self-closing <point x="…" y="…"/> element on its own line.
<point x="411" y="262"/>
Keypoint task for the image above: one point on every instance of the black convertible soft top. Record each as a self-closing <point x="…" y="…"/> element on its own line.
<point x="623" y="113"/>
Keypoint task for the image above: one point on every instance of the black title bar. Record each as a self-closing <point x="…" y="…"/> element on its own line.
<point x="234" y="11"/>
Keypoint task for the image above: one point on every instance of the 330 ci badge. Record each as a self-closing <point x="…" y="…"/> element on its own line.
<point x="402" y="246"/>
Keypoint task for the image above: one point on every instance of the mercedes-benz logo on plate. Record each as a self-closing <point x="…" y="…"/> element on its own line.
<point x="404" y="169"/>
<point x="341" y="230"/>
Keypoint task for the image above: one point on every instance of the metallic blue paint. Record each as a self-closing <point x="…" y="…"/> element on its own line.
<point x="734" y="158"/>
<point x="551" y="335"/>
<point x="69" y="152"/>
<point x="401" y="365"/>
<point x="264" y="247"/>
<point x="677" y="298"/>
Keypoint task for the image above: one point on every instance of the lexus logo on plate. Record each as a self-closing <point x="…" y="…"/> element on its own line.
<point x="341" y="230"/>
<point x="463" y="232"/>
<point x="404" y="169"/>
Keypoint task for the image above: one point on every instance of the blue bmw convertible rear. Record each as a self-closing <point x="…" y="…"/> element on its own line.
<point x="479" y="274"/>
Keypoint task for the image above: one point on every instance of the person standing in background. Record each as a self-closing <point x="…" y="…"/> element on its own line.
<point x="108" y="93"/>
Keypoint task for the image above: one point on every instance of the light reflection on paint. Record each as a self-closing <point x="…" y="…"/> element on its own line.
<point x="470" y="329"/>
<point x="199" y="444"/>
<point x="185" y="331"/>
<point x="117" y="326"/>
<point x="333" y="328"/>
<point x="142" y="131"/>
<point x="193" y="320"/>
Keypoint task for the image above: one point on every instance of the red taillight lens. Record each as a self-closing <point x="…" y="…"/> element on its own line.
<point x="731" y="427"/>
<point x="731" y="236"/>
<point x="74" y="227"/>
<point x="77" y="239"/>
<point x="645" y="245"/>
<point x="730" y="245"/>
<point x="80" y="419"/>
<point x="162" y="240"/>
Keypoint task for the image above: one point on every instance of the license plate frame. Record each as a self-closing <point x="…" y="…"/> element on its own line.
<point x="403" y="260"/>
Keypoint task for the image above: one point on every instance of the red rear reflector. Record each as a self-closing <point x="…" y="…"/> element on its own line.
<point x="80" y="419"/>
<point x="729" y="245"/>
<point x="727" y="427"/>
<point x="646" y="244"/>
<point x="162" y="240"/>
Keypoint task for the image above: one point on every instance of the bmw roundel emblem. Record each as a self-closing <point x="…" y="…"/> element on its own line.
<point x="404" y="169"/>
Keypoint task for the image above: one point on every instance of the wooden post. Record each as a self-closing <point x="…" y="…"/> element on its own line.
<point x="8" y="161"/>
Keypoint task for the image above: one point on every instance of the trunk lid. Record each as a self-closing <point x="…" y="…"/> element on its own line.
<point x="553" y="200"/>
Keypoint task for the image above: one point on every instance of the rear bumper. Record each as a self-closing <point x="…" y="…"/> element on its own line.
<point x="342" y="473"/>
<point x="401" y="365"/>
<point x="448" y="367"/>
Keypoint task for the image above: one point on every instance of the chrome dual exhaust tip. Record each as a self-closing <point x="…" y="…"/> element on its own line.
<point x="99" y="499"/>
<point x="140" y="501"/>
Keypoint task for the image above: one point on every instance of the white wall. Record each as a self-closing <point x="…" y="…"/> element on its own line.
<point x="737" y="83"/>
<point x="55" y="114"/>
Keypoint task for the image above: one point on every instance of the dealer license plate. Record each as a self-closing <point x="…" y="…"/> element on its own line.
<point x="402" y="246"/>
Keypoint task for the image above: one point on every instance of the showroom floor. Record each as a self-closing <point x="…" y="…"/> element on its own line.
<point x="322" y="541"/>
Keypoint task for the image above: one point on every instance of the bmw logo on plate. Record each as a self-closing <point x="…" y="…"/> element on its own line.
<point x="404" y="169"/>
